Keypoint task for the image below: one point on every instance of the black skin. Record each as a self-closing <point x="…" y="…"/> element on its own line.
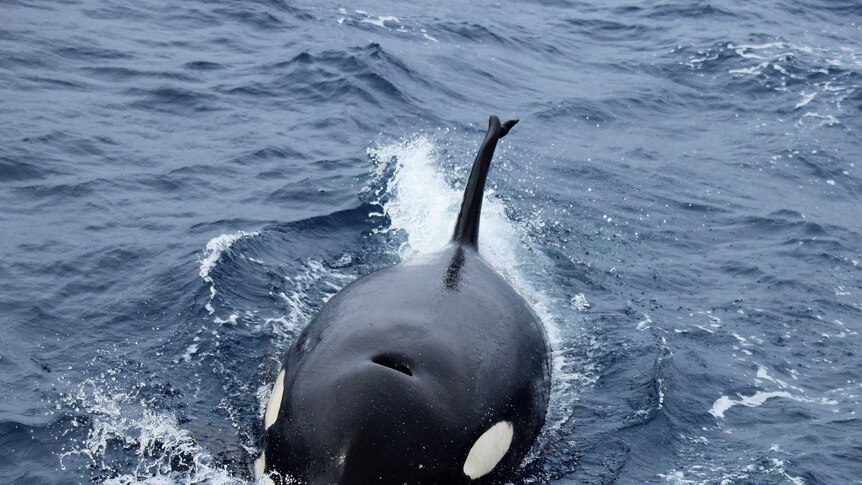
<point x="404" y="369"/>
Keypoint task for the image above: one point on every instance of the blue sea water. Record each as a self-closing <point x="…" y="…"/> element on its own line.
<point x="183" y="184"/>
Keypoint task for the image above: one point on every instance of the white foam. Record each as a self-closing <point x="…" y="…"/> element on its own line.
<point x="828" y="120"/>
<point x="295" y="295"/>
<point x="754" y="70"/>
<point x="806" y="98"/>
<point x="367" y="18"/>
<point x="723" y="403"/>
<point x="742" y="340"/>
<point x="746" y="47"/>
<point x="215" y="247"/>
<point x="676" y="477"/>
<point x="420" y="202"/>
<point x="580" y="303"/>
<point x="724" y="475"/>
<point x="644" y="323"/>
<point x="763" y="374"/>
<point x="160" y="441"/>
<point x="231" y="319"/>
<point x="377" y="20"/>
<point x="190" y="351"/>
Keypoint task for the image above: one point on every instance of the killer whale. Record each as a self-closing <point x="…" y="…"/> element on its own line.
<point x="434" y="371"/>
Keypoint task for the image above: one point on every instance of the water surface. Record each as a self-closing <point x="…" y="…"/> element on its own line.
<point x="182" y="186"/>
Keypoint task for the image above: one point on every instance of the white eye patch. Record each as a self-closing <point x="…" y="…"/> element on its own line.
<point x="260" y="468"/>
<point x="274" y="403"/>
<point x="488" y="450"/>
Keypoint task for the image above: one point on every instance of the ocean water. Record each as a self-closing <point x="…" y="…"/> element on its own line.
<point x="183" y="185"/>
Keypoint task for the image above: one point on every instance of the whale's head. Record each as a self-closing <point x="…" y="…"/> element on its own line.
<point x="407" y="414"/>
<point x="389" y="403"/>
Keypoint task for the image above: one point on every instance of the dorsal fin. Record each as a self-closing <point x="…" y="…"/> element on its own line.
<point x="467" y="227"/>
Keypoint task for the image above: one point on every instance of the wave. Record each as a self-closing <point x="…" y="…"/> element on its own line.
<point x="359" y="75"/>
<point x="12" y="170"/>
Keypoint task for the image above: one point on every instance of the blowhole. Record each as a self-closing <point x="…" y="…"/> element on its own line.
<point x="397" y="366"/>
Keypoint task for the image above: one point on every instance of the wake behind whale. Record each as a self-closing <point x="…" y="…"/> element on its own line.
<point x="435" y="371"/>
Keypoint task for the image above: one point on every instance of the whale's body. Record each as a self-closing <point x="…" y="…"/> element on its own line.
<point x="434" y="371"/>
